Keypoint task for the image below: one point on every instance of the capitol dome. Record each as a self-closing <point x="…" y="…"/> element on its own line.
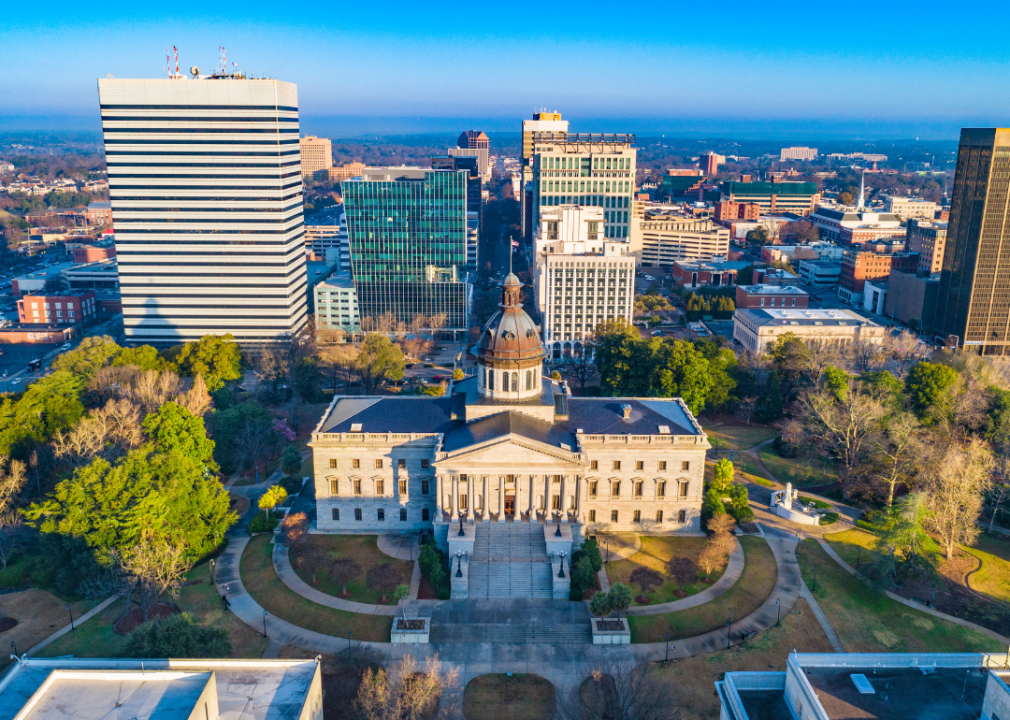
<point x="510" y="352"/>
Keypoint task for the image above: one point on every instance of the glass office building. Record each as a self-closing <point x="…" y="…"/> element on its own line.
<point x="407" y="233"/>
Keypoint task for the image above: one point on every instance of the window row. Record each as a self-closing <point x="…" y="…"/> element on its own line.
<point x="685" y="465"/>
<point x="637" y="516"/>
<point x="380" y="487"/>
<point x="380" y="515"/>
<point x="401" y="464"/>
<point x="684" y="489"/>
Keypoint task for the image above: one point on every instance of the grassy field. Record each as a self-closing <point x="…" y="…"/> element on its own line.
<point x="363" y="549"/>
<point x="500" y="697"/>
<point x="738" y="437"/>
<point x="39" y="614"/>
<point x="262" y="583"/>
<point x="869" y="621"/>
<point x="656" y="552"/>
<point x="800" y="472"/>
<point x="694" y="676"/>
<point x="993" y="578"/>
<point x="847" y="544"/>
<point x="752" y="589"/>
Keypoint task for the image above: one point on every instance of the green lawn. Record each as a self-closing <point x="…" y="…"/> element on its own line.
<point x="363" y="549"/>
<point x="275" y="597"/>
<point x="800" y="472"/>
<point x="869" y="621"/>
<point x="993" y="578"/>
<point x="847" y="544"/>
<point x="738" y="437"/>
<point x="92" y="639"/>
<point x="656" y="552"/>
<point x="746" y="596"/>
<point x="500" y="697"/>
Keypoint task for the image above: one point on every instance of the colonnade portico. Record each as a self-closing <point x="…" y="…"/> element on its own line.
<point x="532" y="496"/>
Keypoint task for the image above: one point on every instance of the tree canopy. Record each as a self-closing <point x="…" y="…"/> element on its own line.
<point x="50" y="405"/>
<point x="378" y="361"/>
<point x="175" y="430"/>
<point x="216" y="357"/>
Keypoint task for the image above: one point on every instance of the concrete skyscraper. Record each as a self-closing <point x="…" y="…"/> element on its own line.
<point x="206" y="191"/>
<point x="973" y="302"/>
<point x="542" y="122"/>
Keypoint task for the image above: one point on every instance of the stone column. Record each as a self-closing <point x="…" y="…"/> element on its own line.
<point x="578" y="498"/>
<point x="518" y="498"/>
<point x="483" y="499"/>
<point x="501" y="498"/>
<point x="454" y="498"/>
<point x="469" y="497"/>
<point x="564" y="510"/>
<point x="440" y="494"/>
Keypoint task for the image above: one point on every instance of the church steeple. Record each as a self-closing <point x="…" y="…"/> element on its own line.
<point x="861" y="202"/>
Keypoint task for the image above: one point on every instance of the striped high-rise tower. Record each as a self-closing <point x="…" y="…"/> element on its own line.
<point x="206" y="197"/>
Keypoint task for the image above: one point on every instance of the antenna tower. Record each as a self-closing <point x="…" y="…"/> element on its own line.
<point x="176" y="51"/>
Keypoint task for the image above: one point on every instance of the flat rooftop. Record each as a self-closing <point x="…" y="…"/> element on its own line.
<point x="806" y="317"/>
<point x="50" y="272"/>
<point x="900" y="693"/>
<point x="772" y="289"/>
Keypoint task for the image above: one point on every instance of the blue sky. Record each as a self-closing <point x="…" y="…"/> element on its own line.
<point x="897" y="68"/>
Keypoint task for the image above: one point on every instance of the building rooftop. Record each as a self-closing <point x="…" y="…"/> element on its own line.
<point x="772" y="289"/>
<point x="100" y="206"/>
<point x="49" y="273"/>
<point x="109" y="265"/>
<point x="717" y="265"/>
<point x="806" y="317"/>
<point x="66" y="689"/>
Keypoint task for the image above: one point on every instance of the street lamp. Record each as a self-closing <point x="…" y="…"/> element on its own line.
<point x="14" y="648"/>
<point x="213" y="577"/>
<point x="667" y="643"/>
<point x="461" y="532"/>
<point x="933" y="597"/>
<point x="728" y="640"/>
<point x="71" y="617"/>
<point x="815" y="580"/>
<point x="561" y="572"/>
<point x="557" y="520"/>
<point x="459" y="566"/>
<point x="778" y="619"/>
<point x="265" y="624"/>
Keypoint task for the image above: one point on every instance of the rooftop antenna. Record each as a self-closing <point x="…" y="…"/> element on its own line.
<point x="168" y="62"/>
<point x="176" y="51"/>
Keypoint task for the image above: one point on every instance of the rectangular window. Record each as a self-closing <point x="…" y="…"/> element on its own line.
<point x="594" y="464"/>
<point x="593" y="486"/>
<point x="661" y="489"/>
<point x="424" y="464"/>
<point x="357" y="514"/>
<point x="638" y="489"/>
<point x="380" y="487"/>
<point x="462" y="502"/>
<point x="615" y="489"/>
<point x="682" y="516"/>
<point x="378" y="464"/>
<point x="640" y="465"/>
<point x="380" y="515"/>
<point x="662" y="465"/>
<point x="425" y="515"/>
<point x="336" y="513"/>
<point x="684" y="489"/>
<point x="638" y="516"/>
<point x="659" y="516"/>
<point x="617" y="464"/>
<point x="403" y="487"/>
<point x="333" y="463"/>
<point x="556" y="503"/>
<point x="592" y="516"/>
<point x="334" y="487"/>
<point x="403" y="514"/>
<point x="424" y="487"/>
<point x="356" y="464"/>
<point x="357" y="487"/>
<point x="401" y="464"/>
<point x="685" y="466"/>
<point x="613" y="516"/>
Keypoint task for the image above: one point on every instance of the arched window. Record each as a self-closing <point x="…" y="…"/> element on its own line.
<point x="529" y="379"/>
<point x="515" y="382"/>
<point x="490" y="380"/>
<point x="505" y="382"/>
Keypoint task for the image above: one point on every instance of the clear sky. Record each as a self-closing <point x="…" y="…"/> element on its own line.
<point x="907" y="67"/>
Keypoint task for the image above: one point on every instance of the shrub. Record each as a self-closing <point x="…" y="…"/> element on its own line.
<point x="177" y="637"/>
<point x="291" y="484"/>
<point x="600" y="605"/>
<point x="591" y="550"/>
<point x="433" y="566"/>
<point x="785" y="449"/>
<point x="262" y="524"/>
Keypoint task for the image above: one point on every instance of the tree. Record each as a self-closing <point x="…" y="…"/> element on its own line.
<point x="591" y="550"/>
<point x="196" y="400"/>
<point x="582" y="575"/>
<point x="13" y="476"/>
<point x="379" y="360"/>
<point x="769" y="406"/>
<point x="342" y="571"/>
<point x="721" y="526"/>
<point x="955" y="488"/>
<point x="581" y="366"/>
<point x="408" y="692"/>
<point x="295" y="527"/>
<point x="712" y="557"/>
<point x="274" y="496"/>
<point x="177" y="636"/>
<point x="92" y="354"/>
<point x="903" y="545"/>
<point x="113" y="507"/>
<point x="175" y="430"/>
<point x="155" y="567"/>
<point x="144" y="357"/>
<point x="723" y="475"/>
<point x="458" y="374"/>
<point x="401" y="594"/>
<point x="620" y="691"/>
<point x="928" y="387"/>
<point x="802" y="232"/>
<point x="683" y="571"/>
<point x="599" y="605"/>
<point x="555" y="375"/>
<point x="712" y="504"/>
<point x="647" y="579"/>
<point x="291" y="461"/>
<point x="50" y="405"/>
<point x="620" y="597"/>
<point x="682" y="371"/>
<point x="757" y="236"/>
<point x="907" y="349"/>
<point x="383" y="578"/>
<point x="307" y="379"/>
<point x="898" y="450"/>
<point x="216" y="357"/>
<point x="866" y="355"/>
<point x="845" y="198"/>
<point x="12" y="535"/>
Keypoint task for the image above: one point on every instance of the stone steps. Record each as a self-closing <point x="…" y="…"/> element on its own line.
<point x="509" y="561"/>
<point x="478" y="633"/>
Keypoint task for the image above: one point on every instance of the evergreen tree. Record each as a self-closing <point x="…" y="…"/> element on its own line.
<point x="770" y="405"/>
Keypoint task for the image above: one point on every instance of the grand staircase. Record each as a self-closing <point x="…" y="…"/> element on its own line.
<point x="509" y="561"/>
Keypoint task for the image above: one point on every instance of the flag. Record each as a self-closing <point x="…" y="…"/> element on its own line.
<point x="515" y="243"/>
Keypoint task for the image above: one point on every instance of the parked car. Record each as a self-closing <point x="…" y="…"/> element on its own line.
<point x="439" y="378"/>
<point x="408" y="366"/>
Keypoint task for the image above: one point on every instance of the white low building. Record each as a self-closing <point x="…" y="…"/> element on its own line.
<point x="755" y="329"/>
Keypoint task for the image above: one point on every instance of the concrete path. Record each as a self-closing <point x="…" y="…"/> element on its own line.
<point x="604" y="580"/>
<point x="618" y="546"/>
<point x="836" y="643"/>
<point x="67" y="628"/>
<point x="273" y="648"/>
<point x="911" y="603"/>
<point x="287" y="574"/>
<point x="402" y="547"/>
<point x="734" y="569"/>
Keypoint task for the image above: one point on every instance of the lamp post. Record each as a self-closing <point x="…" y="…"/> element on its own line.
<point x="213" y="577"/>
<point x="265" y="624"/>
<point x="728" y="637"/>
<point x="14" y="648"/>
<point x="814" y="589"/>
<point x="778" y="606"/>
<point x="561" y="572"/>
<point x="933" y="597"/>
<point x="461" y="532"/>
<point x="557" y="520"/>
<point x="666" y="661"/>
<point x="459" y="561"/>
<point x="71" y="617"/>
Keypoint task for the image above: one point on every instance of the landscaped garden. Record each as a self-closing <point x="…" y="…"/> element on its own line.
<point x="261" y="582"/>
<point x="38" y="614"/>
<point x="331" y="563"/>
<point x="866" y="620"/>
<point x="518" y="696"/>
<point x="659" y="554"/>
<point x="746" y="596"/>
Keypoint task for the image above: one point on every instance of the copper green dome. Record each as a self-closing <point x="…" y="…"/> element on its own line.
<point x="510" y="334"/>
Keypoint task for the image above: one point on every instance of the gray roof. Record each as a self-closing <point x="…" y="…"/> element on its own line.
<point x="508" y="423"/>
<point x="390" y="414"/>
<point x="604" y="416"/>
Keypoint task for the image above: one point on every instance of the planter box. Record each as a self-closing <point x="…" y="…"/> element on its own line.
<point x="413" y="636"/>
<point x="611" y="637"/>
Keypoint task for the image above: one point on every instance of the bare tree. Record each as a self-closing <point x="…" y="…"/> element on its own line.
<point x="713" y="557"/>
<point x="745" y="411"/>
<point x="196" y="400"/>
<point x="341" y="361"/>
<point x="898" y="451"/>
<point x="13" y="476"/>
<point x="155" y="567"/>
<point x="683" y="570"/>
<point x="907" y="349"/>
<point x="582" y="365"/>
<point x="954" y="491"/>
<point x="152" y="389"/>
<point x="620" y="691"/>
<point x="343" y="570"/>
<point x="865" y="355"/>
<point x="410" y="691"/>
<point x="12" y="535"/>
<point x="383" y="578"/>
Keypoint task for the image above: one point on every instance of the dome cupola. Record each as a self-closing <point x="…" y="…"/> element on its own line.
<point x="510" y="352"/>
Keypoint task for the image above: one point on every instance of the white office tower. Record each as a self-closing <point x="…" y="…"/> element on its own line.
<point x="582" y="280"/>
<point x="206" y="190"/>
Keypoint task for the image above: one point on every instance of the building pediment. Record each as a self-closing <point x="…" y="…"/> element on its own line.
<point x="514" y="452"/>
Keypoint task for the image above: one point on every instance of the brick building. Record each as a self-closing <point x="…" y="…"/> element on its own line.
<point x="99" y="213"/>
<point x="93" y="253"/>
<point x="858" y="266"/>
<point x="729" y="210"/>
<point x="770" y="296"/>
<point x="64" y="308"/>
<point x="928" y="239"/>
<point x="715" y="273"/>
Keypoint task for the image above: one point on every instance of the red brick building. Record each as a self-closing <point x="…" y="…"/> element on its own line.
<point x="709" y="164"/>
<point x="771" y="296"/>
<point x="858" y="266"/>
<point x="715" y="273"/>
<point x="729" y="210"/>
<point x="65" y="308"/>
<point x="93" y="253"/>
<point x="99" y="213"/>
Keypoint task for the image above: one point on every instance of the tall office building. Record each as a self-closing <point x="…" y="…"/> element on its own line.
<point x="474" y="143"/>
<point x="542" y="122"/>
<point x="973" y="302"/>
<point x="206" y="196"/>
<point x="586" y="169"/>
<point x="407" y="231"/>
<point x="317" y="154"/>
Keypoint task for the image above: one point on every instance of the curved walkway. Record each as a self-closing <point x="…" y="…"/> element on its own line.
<point x="734" y="569"/>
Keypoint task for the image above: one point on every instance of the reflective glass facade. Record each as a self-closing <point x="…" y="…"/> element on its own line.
<point x="408" y="247"/>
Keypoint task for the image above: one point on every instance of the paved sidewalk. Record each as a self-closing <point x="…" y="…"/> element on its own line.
<point x="734" y="569"/>
<point x="401" y="547"/>
<point x="836" y="643"/>
<point x="287" y="574"/>
<point x="67" y="628"/>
